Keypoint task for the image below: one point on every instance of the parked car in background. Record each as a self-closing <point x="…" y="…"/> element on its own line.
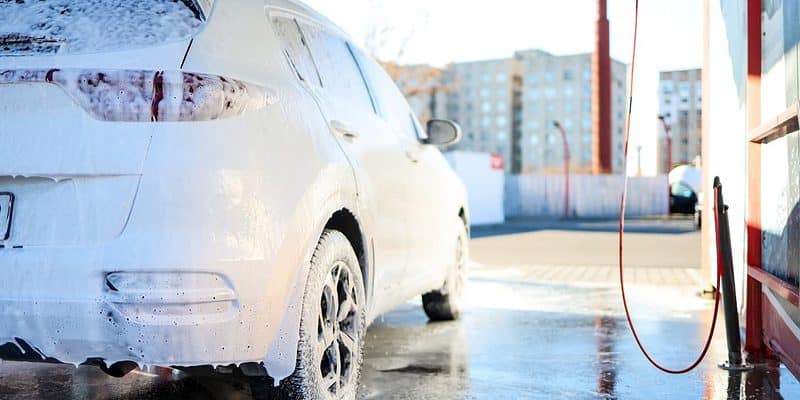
<point x="682" y="199"/>
<point x="220" y="184"/>
<point x="698" y="211"/>
<point x="685" y="183"/>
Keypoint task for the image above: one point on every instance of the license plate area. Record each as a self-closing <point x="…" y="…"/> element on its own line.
<point x="6" y="214"/>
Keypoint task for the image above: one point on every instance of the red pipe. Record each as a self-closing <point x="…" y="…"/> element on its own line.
<point x="601" y="94"/>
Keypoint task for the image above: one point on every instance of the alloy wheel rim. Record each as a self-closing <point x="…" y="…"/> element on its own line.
<point x="460" y="263"/>
<point x="455" y="281"/>
<point x="338" y="327"/>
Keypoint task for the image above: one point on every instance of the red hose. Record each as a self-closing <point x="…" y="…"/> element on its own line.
<point x="622" y="233"/>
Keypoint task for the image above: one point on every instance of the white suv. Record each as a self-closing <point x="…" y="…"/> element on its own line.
<point x="212" y="183"/>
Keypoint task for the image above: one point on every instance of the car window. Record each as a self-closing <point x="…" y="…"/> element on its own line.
<point x="681" y="190"/>
<point x="392" y="105"/>
<point x="296" y="50"/>
<point x="65" y="27"/>
<point x="338" y="70"/>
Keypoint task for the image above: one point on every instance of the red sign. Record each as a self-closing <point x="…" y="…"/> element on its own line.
<point x="497" y="161"/>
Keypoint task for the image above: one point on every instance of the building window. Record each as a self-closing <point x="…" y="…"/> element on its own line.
<point x="533" y="93"/>
<point x="568" y="75"/>
<point x="549" y="76"/>
<point x="532" y="79"/>
<point x="486" y="107"/>
<point x="501" y="77"/>
<point x="568" y="91"/>
<point x="667" y="87"/>
<point x="587" y="74"/>
<point x="501" y="106"/>
<point x="550" y="93"/>
<point x="501" y="121"/>
<point x="534" y="124"/>
<point x="485" y="92"/>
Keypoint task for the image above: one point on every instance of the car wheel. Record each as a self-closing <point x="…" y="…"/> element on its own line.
<point x="332" y="325"/>
<point x="445" y="304"/>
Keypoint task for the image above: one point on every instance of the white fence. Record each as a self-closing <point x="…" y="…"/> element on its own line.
<point x="591" y="196"/>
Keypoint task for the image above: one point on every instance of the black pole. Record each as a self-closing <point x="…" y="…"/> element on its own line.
<point x="725" y="256"/>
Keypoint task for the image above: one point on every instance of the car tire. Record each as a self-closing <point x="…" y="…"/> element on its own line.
<point x="332" y="324"/>
<point x="444" y="304"/>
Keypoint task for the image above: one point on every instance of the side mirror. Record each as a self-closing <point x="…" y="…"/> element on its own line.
<point x="443" y="132"/>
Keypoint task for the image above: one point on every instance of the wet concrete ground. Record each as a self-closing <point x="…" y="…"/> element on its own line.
<point x="528" y="332"/>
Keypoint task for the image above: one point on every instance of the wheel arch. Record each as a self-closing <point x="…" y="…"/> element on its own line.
<point x="462" y="213"/>
<point x="346" y="222"/>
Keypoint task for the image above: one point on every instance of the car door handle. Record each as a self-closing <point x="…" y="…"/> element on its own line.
<point x="412" y="155"/>
<point x="343" y="130"/>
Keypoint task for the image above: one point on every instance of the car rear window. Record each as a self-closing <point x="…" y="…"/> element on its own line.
<point x="31" y="27"/>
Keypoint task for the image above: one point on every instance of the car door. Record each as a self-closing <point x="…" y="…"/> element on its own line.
<point x="422" y="196"/>
<point x="431" y="223"/>
<point x="344" y="99"/>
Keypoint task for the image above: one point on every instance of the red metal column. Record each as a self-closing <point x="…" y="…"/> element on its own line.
<point x="754" y="342"/>
<point x="601" y="95"/>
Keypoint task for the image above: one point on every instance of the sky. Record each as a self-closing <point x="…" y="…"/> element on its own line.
<point x="438" y="32"/>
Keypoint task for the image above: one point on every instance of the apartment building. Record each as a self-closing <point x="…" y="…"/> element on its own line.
<point x="559" y="88"/>
<point x="680" y="103"/>
<point x="508" y="106"/>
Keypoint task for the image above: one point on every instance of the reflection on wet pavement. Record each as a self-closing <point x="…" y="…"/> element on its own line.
<point x="517" y="340"/>
<point x="501" y="352"/>
<point x="528" y="332"/>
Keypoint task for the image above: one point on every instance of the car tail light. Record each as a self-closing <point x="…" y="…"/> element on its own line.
<point x="142" y="96"/>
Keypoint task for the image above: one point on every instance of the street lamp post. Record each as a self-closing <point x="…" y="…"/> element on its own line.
<point x="668" y="136"/>
<point x="639" y="160"/>
<point x="566" y="166"/>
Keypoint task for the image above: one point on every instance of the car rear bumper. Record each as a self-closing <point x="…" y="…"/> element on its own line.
<point x="71" y="311"/>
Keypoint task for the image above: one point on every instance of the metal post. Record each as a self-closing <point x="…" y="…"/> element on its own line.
<point x="639" y="160"/>
<point x="668" y="159"/>
<point x="566" y="167"/>
<point x="725" y="263"/>
<point x="668" y="136"/>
